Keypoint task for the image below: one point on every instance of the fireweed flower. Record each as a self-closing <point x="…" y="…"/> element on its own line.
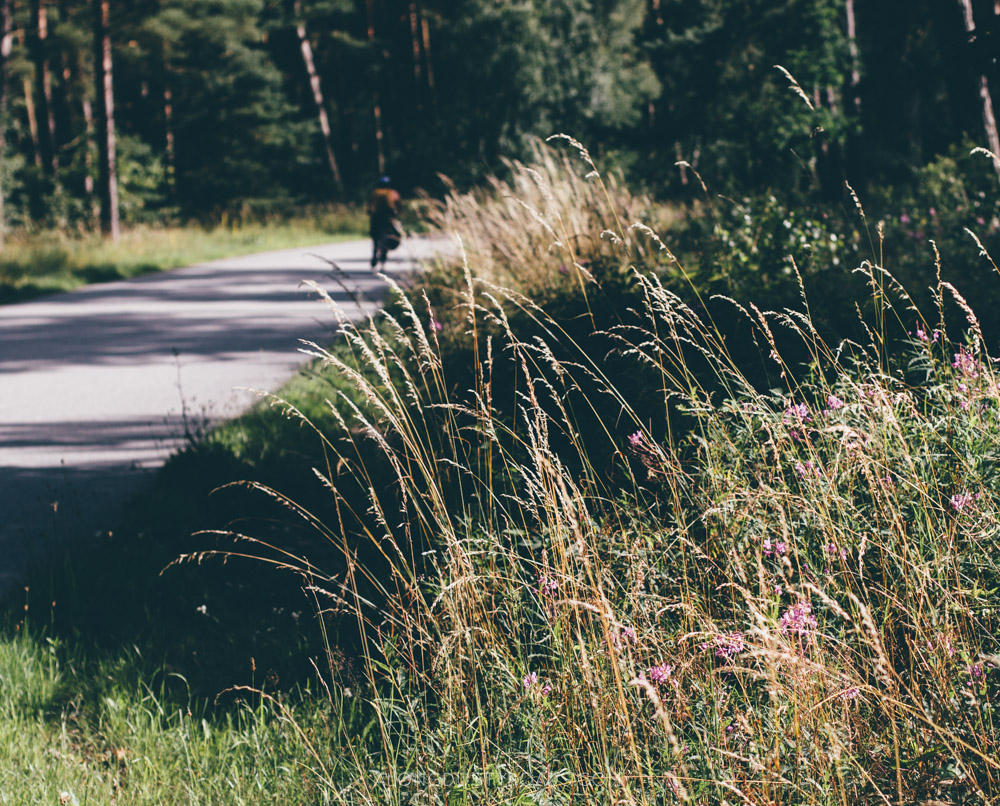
<point x="803" y="469"/>
<point x="727" y="647"/>
<point x="798" y="620"/>
<point x="965" y="363"/>
<point x="624" y="637"/>
<point x="547" y="586"/>
<point x="659" y="674"/>
<point x="531" y="685"/>
<point x="776" y="549"/>
<point x="960" y="501"/>
<point x="797" y="413"/>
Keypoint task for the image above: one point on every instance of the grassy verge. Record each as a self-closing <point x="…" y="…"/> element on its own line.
<point x="75" y="730"/>
<point x="40" y="263"/>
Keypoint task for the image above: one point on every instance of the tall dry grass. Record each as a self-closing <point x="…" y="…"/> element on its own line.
<point x="760" y="597"/>
<point x="549" y="224"/>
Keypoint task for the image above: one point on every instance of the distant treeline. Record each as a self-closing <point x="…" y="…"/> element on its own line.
<point x="197" y="107"/>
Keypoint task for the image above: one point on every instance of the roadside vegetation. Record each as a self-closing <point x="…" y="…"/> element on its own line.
<point x="35" y="263"/>
<point x="639" y="536"/>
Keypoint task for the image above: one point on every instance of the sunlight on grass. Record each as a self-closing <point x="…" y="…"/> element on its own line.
<point x="54" y="261"/>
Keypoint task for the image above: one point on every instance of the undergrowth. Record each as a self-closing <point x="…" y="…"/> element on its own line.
<point x="742" y="583"/>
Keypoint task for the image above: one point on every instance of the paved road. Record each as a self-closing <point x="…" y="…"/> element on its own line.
<point x="95" y="385"/>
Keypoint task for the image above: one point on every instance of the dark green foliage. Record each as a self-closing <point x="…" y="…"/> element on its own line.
<point x="216" y="105"/>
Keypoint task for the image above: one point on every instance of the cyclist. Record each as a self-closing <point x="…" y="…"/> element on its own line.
<point x="383" y="210"/>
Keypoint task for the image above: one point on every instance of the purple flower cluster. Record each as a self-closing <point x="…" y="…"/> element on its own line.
<point x="965" y="363"/>
<point x="625" y="637"/>
<point x="803" y="469"/>
<point x="797" y="413"/>
<point x="726" y="647"/>
<point x="776" y="549"/>
<point x="531" y="682"/>
<point x="921" y="334"/>
<point x="659" y="674"/>
<point x="798" y="620"/>
<point x="960" y="501"/>
<point x="547" y="586"/>
<point x="834" y="402"/>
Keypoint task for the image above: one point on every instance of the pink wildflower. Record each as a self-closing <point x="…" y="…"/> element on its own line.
<point x="530" y="680"/>
<point x="806" y="469"/>
<point x="797" y="413"/>
<point x="834" y="402"/>
<point x="547" y="586"/>
<point x="777" y="548"/>
<point x="798" y="620"/>
<point x="966" y="363"/>
<point x="659" y="674"/>
<point x="960" y="501"/>
<point x="726" y="646"/>
<point x="625" y="637"/>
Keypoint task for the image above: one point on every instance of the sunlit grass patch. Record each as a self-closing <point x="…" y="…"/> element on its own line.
<point x="38" y="263"/>
<point x="75" y="729"/>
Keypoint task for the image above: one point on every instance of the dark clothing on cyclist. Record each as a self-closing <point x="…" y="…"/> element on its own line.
<point x="383" y="209"/>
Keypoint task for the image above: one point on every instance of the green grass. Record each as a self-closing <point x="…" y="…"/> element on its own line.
<point x="75" y="728"/>
<point x="45" y="262"/>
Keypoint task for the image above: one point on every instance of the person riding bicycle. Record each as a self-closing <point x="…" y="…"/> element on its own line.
<point x="383" y="210"/>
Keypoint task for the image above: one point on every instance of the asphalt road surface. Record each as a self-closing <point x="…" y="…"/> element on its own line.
<point x="97" y="386"/>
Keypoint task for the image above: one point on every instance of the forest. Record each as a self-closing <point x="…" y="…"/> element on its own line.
<point x="156" y="110"/>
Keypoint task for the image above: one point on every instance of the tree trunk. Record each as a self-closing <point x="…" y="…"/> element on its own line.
<point x="989" y="119"/>
<point x="6" y="44"/>
<point x="107" y="170"/>
<point x="29" y="110"/>
<point x="88" y="154"/>
<point x="852" y="44"/>
<point x="415" y="44"/>
<point x="426" y="30"/>
<point x="317" y="93"/>
<point x="376" y="105"/>
<point x="43" y="85"/>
